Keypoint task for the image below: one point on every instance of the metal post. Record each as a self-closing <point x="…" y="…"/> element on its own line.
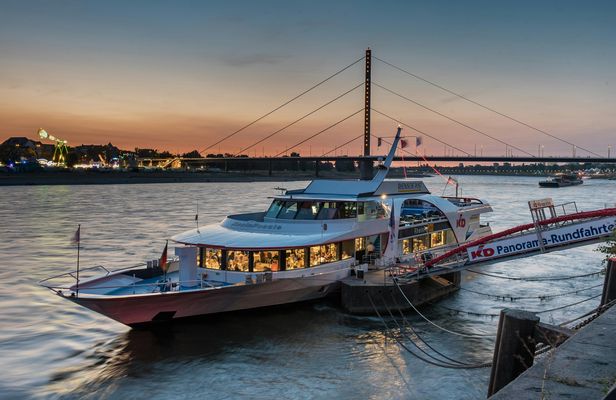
<point x="316" y="168"/>
<point x="366" y="165"/>
<point x="609" y="285"/>
<point x="270" y="167"/>
<point x="514" y="350"/>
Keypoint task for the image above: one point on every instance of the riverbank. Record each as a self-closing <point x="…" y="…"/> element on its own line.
<point x="582" y="368"/>
<point x="93" y="177"/>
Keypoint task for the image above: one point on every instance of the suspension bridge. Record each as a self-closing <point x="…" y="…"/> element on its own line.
<point x="452" y="152"/>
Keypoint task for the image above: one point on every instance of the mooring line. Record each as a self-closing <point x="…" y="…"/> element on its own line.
<point x="484" y="335"/>
<point x="537" y="278"/>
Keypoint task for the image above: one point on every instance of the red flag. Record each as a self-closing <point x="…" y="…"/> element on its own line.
<point x="378" y="142"/>
<point x="77" y="236"/>
<point x="163" y="259"/>
<point x="403" y="143"/>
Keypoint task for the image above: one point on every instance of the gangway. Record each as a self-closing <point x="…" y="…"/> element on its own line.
<point x="549" y="231"/>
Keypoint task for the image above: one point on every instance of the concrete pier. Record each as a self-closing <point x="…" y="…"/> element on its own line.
<point x="385" y="294"/>
<point x="583" y="367"/>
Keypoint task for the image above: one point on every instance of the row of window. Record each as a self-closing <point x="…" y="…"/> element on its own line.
<point x="278" y="260"/>
<point x="323" y="210"/>
<point x="424" y="242"/>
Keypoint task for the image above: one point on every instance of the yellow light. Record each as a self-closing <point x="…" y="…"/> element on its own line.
<point x="383" y="196"/>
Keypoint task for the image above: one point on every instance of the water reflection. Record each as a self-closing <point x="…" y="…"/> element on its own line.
<point x="57" y="349"/>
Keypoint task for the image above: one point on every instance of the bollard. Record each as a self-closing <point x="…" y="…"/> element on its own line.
<point x="609" y="284"/>
<point x="514" y="350"/>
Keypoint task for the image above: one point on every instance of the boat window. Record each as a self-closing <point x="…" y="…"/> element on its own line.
<point x="414" y="211"/>
<point x="347" y="209"/>
<point x="347" y="249"/>
<point x="360" y="243"/>
<point x="406" y="246"/>
<point x="323" y="254"/>
<point x="213" y="258"/>
<point x="328" y="210"/>
<point x="237" y="260"/>
<point x="421" y="243"/>
<point x="288" y="210"/>
<point x="437" y="239"/>
<point x="272" y="212"/>
<point x="295" y="259"/>
<point x="427" y="241"/>
<point x="370" y="210"/>
<point x="266" y="261"/>
<point x="307" y="210"/>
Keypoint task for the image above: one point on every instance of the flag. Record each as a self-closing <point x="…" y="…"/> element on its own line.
<point x="392" y="224"/>
<point x="77" y="236"/>
<point x="418" y="141"/>
<point x="451" y="181"/>
<point x="378" y="142"/>
<point x="163" y="259"/>
<point x="403" y="143"/>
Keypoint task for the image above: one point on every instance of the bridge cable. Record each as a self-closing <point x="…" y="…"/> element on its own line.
<point x="420" y="131"/>
<point x="320" y="132"/>
<point x="486" y="107"/>
<point x="282" y="105"/>
<point x="469" y="335"/>
<point x="537" y="278"/>
<point x="300" y="119"/>
<point x="387" y="331"/>
<point x="453" y="120"/>
<point x="342" y="145"/>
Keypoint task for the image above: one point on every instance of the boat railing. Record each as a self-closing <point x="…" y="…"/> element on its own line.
<point x="84" y="274"/>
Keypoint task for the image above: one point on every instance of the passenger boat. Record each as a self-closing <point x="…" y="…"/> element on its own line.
<point x="562" y="181"/>
<point x="297" y="250"/>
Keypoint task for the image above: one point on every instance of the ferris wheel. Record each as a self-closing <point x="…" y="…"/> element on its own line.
<point x="60" y="150"/>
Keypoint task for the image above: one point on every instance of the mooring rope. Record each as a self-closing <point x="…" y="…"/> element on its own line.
<point x="406" y="322"/>
<point x="491" y="315"/>
<point x="537" y="278"/>
<point x="468" y="335"/>
<point x="387" y="332"/>
<point x="512" y="298"/>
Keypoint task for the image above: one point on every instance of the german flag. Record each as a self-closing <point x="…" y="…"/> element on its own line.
<point x="163" y="259"/>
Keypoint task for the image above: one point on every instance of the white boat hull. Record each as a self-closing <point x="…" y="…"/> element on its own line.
<point x="143" y="309"/>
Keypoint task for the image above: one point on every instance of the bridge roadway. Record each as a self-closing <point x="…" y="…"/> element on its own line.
<point x="486" y="159"/>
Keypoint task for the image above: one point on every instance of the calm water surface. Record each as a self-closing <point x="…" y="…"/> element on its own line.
<point x="51" y="348"/>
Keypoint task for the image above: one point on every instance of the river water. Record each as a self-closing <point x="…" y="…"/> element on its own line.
<point x="51" y="348"/>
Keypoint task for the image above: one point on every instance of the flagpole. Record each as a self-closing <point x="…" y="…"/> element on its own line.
<point x="78" y="248"/>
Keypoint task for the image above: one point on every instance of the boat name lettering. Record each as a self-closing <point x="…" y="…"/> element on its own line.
<point x="551" y="238"/>
<point x="410" y="186"/>
<point x="542" y="203"/>
<point x="255" y="225"/>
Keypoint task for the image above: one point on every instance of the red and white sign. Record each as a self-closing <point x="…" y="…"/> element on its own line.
<point x="555" y="237"/>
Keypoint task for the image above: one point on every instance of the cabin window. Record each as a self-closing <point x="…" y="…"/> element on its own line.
<point x="237" y="260"/>
<point x="266" y="261"/>
<point x="295" y="259"/>
<point x="307" y="210"/>
<point x="213" y="258"/>
<point x="360" y="244"/>
<point x="288" y="210"/>
<point x="347" y="209"/>
<point x="347" y="249"/>
<point x="274" y="209"/>
<point x="406" y="246"/>
<point x="328" y="210"/>
<point x="421" y="243"/>
<point x="323" y="254"/>
<point x="437" y="239"/>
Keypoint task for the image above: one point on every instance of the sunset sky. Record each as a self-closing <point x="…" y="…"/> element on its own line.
<point x="180" y="75"/>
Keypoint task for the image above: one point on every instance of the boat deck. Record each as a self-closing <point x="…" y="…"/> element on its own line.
<point x="157" y="285"/>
